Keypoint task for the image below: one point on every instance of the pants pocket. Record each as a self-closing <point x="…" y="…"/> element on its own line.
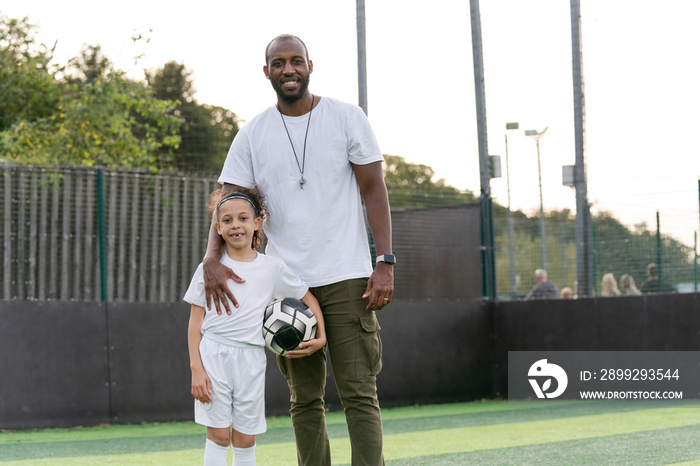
<point x="369" y="348"/>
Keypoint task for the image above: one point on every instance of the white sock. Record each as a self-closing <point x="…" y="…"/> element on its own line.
<point x="214" y="454"/>
<point x="244" y="456"/>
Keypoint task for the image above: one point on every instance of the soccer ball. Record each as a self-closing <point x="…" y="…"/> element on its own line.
<point x="286" y="324"/>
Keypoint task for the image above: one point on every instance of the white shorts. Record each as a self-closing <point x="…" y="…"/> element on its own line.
<point x="237" y="375"/>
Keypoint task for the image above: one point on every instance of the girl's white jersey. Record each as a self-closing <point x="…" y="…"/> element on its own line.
<point x="266" y="279"/>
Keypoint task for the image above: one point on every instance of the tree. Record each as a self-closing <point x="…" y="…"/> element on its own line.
<point x="28" y="89"/>
<point x="207" y="130"/>
<point x="95" y="116"/>
<point x="617" y="250"/>
<point x="90" y="67"/>
<point x="411" y="186"/>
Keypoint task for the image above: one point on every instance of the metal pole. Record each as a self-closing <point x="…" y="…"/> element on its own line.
<point x="361" y="56"/>
<point x="696" y="244"/>
<point x="511" y="234"/>
<point x="695" y="263"/>
<point x="659" y="257"/>
<point x="542" y="237"/>
<point x="562" y="242"/>
<point x="584" y="225"/>
<point x="487" y="243"/>
<point x="101" y="234"/>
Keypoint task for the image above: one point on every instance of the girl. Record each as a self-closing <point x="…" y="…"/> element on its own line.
<point x="227" y="355"/>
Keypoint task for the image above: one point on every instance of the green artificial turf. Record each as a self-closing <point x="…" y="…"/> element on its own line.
<point x="491" y="432"/>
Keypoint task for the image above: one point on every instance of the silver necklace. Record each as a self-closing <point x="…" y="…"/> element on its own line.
<point x="301" y="166"/>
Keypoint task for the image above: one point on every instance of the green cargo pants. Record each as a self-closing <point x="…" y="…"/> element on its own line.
<point x="355" y="351"/>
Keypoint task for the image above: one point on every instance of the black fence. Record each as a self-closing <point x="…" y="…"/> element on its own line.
<point x="67" y="364"/>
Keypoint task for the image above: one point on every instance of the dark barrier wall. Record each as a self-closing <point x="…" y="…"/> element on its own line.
<point x="54" y="368"/>
<point x="66" y="364"/>
<point x="662" y="322"/>
<point x="435" y="351"/>
<point x="149" y="362"/>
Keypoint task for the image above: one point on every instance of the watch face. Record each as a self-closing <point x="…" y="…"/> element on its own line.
<point x="390" y="258"/>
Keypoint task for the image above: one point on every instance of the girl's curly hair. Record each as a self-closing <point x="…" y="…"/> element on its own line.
<point x="258" y="202"/>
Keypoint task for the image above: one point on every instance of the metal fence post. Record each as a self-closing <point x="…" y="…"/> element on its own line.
<point x="101" y="234"/>
<point x="658" y="253"/>
<point x="487" y="242"/>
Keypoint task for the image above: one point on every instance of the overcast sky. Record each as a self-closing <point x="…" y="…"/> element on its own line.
<point x="641" y="76"/>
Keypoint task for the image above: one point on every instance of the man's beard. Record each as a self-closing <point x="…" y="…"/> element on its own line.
<point x="292" y="98"/>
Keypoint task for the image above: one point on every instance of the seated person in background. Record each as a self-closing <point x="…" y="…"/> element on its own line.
<point x="544" y="289"/>
<point x="627" y="286"/>
<point x="609" y="286"/>
<point x="653" y="284"/>
<point x="566" y="293"/>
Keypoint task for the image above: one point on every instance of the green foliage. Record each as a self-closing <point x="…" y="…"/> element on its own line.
<point x="617" y="249"/>
<point x="95" y="116"/>
<point x="411" y="186"/>
<point x="111" y="122"/>
<point x="28" y="90"/>
<point x="207" y="131"/>
<point x="560" y="248"/>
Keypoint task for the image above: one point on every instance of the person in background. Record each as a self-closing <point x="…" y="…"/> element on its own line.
<point x="609" y="286"/>
<point x="627" y="286"/>
<point x="566" y="293"/>
<point x="544" y="289"/>
<point x="653" y="284"/>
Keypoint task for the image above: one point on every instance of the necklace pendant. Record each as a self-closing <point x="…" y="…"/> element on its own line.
<point x="302" y="180"/>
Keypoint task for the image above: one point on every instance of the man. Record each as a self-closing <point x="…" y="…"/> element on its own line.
<point x="544" y="289"/>
<point x="653" y="284"/>
<point x="315" y="159"/>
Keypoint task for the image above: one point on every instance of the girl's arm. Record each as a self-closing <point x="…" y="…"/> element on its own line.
<point x="201" y="385"/>
<point x="309" y="347"/>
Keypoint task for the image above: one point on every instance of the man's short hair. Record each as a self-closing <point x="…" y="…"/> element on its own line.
<point x="283" y="37"/>
<point x="652" y="269"/>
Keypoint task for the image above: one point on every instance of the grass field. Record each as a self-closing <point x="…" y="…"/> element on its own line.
<point x="490" y="432"/>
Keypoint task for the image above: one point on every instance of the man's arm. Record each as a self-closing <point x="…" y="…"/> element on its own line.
<point x="370" y="179"/>
<point x="216" y="273"/>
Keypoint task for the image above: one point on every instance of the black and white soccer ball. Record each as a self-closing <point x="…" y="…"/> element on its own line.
<point x="287" y="323"/>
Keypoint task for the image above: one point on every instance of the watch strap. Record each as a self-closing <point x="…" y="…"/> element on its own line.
<point x="388" y="258"/>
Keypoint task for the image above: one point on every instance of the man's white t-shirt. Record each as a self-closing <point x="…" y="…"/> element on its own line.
<point x="266" y="279"/>
<point x="319" y="231"/>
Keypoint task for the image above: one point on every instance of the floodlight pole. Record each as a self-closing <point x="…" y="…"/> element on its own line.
<point x="584" y="224"/>
<point x="511" y="233"/>
<point x="537" y="136"/>
<point x="488" y="262"/>
<point x="361" y="56"/>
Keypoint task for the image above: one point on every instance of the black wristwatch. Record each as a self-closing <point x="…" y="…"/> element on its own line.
<point x="387" y="259"/>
